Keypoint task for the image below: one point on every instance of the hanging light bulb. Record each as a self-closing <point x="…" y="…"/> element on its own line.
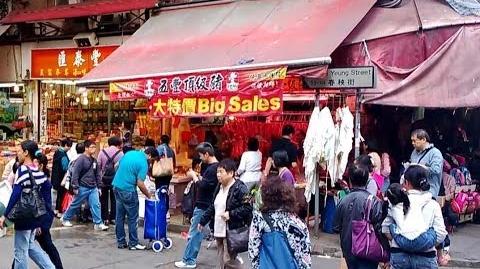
<point x="77" y="99"/>
<point x="46" y="94"/>
<point x="16" y="88"/>
<point x="68" y="94"/>
<point x="97" y="99"/>
<point x="54" y="92"/>
<point x="85" y="101"/>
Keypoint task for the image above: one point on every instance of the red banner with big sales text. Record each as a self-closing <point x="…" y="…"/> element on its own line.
<point x="252" y="92"/>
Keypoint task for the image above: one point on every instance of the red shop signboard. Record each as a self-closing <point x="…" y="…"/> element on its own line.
<point x="67" y="63"/>
<point x="245" y="93"/>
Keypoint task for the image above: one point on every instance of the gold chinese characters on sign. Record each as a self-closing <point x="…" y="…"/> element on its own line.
<point x="67" y="63"/>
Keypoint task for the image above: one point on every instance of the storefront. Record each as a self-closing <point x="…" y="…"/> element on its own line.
<point x="237" y="74"/>
<point x="65" y="111"/>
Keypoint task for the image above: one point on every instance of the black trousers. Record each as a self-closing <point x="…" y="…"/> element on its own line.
<point x="108" y="209"/>
<point x="46" y="243"/>
<point x="60" y="195"/>
<point x="163" y="181"/>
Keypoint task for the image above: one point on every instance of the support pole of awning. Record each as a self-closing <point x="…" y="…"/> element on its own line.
<point x="358" y="103"/>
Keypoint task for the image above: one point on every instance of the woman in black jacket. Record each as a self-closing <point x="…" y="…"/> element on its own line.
<point x="229" y="211"/>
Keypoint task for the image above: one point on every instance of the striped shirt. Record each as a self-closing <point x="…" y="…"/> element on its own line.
<point x="23" y="181"/>
<point x="23" y="177"/>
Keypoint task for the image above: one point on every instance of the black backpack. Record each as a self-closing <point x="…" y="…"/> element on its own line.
<point x="110" y="169"/>
<point x="189" y="198"/>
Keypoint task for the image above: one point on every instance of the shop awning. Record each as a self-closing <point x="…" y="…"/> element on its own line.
<point x="233" y="35"/>
<point x="446" y="79"/>
<point x="84" y="9"/>
<point x="411" y="16"/>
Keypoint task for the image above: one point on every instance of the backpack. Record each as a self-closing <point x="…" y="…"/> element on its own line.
<point x="449" y="185"/>
<point x="275" y="251"/>
<point x="67" y="179"/>
<point x="459" y="204"/>
<point x="466" y="174"/>
<point x="188" y="202"/>
<point x="110" y="168"/>
<point x="459" y="177"/>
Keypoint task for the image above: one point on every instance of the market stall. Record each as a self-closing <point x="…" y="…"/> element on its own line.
<point x="65" y="111"/>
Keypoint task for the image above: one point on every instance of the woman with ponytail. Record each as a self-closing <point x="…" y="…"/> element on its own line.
<point x="43" y="236"/>
<point x="25" y="227"/>
<point x="414" y="223"/>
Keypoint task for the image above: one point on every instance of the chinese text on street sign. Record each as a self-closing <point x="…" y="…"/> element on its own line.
<point x="348" y="78"/>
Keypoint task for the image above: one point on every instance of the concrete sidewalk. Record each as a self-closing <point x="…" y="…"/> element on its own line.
<point x="464" y="249"/>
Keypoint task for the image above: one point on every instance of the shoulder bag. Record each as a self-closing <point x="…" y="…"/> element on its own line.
<point x="237" y="240"/>
<point x="31" y="205"/>
<point x="365" y="243"/>
<point x="164" y="166"/>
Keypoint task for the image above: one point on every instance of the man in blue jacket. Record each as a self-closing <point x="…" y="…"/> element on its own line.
<point x="427" y="154"/>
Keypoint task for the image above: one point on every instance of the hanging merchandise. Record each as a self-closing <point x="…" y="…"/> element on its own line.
<point x="318" y="146"/>
<point x="343" y="143"/>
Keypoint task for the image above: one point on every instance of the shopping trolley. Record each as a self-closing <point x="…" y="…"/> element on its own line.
<point x="155" y="221"/>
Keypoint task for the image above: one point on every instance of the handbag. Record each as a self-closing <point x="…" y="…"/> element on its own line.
<point x="365" y="243"/>
<point x="30" y="205"/>
<point x="237" y="240"/>
<point x="163" y="166"/>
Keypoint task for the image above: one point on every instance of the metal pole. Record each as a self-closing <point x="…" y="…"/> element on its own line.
<point x="316" y="225"/>
<point x="109" y="112"/>
<point x="62" y="94"/>
<point x="358" y="102"/>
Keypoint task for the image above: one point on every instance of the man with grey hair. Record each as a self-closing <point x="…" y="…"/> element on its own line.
<point x="427" y="154"/>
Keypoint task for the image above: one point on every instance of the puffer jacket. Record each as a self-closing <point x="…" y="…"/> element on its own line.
<point x="432" y="216"/>
<point x="239" y="209"/>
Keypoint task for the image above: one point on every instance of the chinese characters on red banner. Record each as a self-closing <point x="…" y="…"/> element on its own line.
<point x="67" y="63"/>
<point x="256" y="92"/>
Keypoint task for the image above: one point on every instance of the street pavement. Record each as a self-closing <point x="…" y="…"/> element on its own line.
<point x="81" y="247"/>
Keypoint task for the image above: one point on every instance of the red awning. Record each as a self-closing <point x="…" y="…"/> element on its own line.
<point x="233" y="35"/>
<point x="85" y="9"/>
<point x="411" y="16"/>
<point x="445" y="79"/>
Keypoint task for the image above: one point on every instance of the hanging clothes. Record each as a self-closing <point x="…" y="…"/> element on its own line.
<point x="318" y="146"/>
<point x="343" y="143"/>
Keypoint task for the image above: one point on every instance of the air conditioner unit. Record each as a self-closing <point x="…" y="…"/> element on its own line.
<point x="85" y="39"/>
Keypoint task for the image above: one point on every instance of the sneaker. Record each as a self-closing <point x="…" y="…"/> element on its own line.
<point x="100" y="227"/>
<point x="66" y="223"/>
<point x="122" y="246"/>
<point x="182" y="264"/>
<point x="138" y="247"/>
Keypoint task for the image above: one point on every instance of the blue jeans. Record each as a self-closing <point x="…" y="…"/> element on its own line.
<point x="423" y="242"/>
<point x="85" y="193"/>
<point x="25" y="246"/>
<point x="195" y="238"/>
<point x="411" y="261"/>
<point x="356" y="263"/>
<point x="126" y="204"/>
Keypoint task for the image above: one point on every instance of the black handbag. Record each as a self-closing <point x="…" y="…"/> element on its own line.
<point x="31" y="205"/>
<point x="237" y="240"/>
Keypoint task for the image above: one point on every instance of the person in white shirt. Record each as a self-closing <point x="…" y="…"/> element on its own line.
<point x="228" y="212"/>
<point x="250" y="168"/>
